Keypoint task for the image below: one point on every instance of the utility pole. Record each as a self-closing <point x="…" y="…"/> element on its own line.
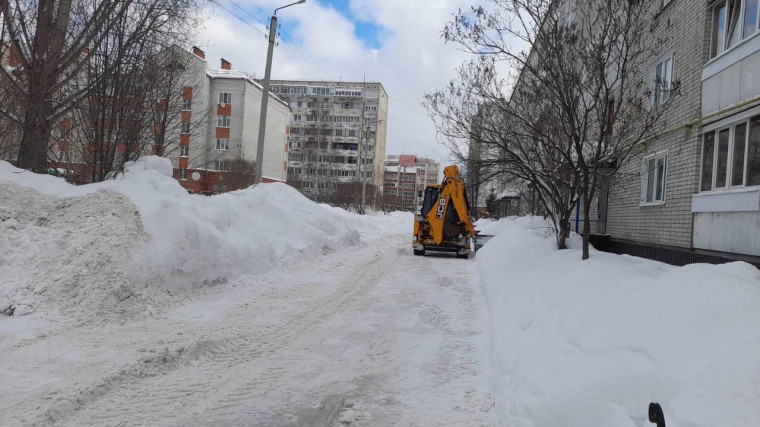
<point x="265" y="94"/>
<point x="360" y="160"/>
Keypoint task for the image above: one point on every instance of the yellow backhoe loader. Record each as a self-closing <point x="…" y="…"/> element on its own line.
<point x="444" y="223"/>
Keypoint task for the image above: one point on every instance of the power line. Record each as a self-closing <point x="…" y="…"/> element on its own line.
<point x="216" y="2"/>
<point x="294" y="46"/>
<point x="284" y="48"/>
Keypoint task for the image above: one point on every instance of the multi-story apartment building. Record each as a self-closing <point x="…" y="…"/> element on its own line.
<point x="330" y="120"/>
<point x="205" y="121"/>
<point x="405" y="176"/>
<point x="222" y="113"/>
<point x="698" y="182"/>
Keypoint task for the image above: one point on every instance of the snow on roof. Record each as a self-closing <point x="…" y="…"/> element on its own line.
<point x="408" y="169"/>
<point x="507" y="192"/>
<point x="240" y="74"/>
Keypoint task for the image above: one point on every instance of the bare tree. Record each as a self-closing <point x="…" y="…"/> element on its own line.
<point x="56" y="40"/>
<point x="579" y="103"/>
<point x="348" y="195"/>
<point x="241" y="173"/>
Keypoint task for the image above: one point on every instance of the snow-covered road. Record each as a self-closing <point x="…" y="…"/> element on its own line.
<point x="368" y="335"/>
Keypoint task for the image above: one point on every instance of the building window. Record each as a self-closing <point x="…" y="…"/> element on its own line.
<point x="297" y="118"/>
<point x="731" y="156"/>
<point x="63" y="156"/>
<point x="732" y="21"/>
<point x="225" y="98"/>
<point x="185" y="128"/>
<point x="187" y="105"/>
<point x="183" y="174"/>
<point x="220" y="165"/>
<point x="223" y="121"/>
<point x="184" y="150"/>
<point x="351" y="132"/>
<point x="653" y="179"/>
<point x="663" y="80"/>
<point x="222" y="144"/>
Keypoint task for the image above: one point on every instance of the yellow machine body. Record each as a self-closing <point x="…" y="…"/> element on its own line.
<point x="444" y="222"/>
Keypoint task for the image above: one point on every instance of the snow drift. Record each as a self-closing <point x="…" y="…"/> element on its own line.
<point x="591" y="343"/>
<point x="116" y="248"/>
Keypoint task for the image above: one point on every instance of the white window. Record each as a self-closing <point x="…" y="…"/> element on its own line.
<point x="183" y="174"/>
<point x="654" y="174"/>
<point x="732" y="21"/>
<point x="222" y="144"/>
<point x="663" y="80"/>
<point x="63" y="156"/>
<point x="184" y="150"/>
<point x="187" y="105"/>
<point x="185" y="128"/>
<point x="220" y="165"/>
<point x="297" y="118"/>
<point x="731" y="156"/>
<point x="225" y="98"/>
<point x="223" y="121"/>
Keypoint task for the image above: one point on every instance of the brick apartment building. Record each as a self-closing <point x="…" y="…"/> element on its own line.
<point x="215" y="130"/>
<point x="405" y="176"/>
<point x="329" y="122"/>
<point x="694" y="189"/>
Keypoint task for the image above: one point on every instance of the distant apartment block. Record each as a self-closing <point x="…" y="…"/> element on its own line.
<point x="228" y="102"/>
<point x="407" y="175"/>
<point x="329" y="122"/>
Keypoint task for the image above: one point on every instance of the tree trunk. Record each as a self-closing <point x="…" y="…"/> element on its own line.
<point x="35" y="139"/>
<point x="586" y="222"/>
<point x="43" y="72"/>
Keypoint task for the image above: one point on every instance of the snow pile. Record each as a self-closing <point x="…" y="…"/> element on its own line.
<point x="488" y="226"/>
<point x="377" y="224"/>
<point x="592" y="343"/>
<point x="83" y="249"/>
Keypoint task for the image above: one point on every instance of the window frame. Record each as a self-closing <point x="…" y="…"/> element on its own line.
<point x="659" y="89"/>
<point x="645" y="179"/>
<point x="222" y="147"/>
<point x="226" y="119"/>
<point x="219" y="98"/>
<point x="715" y="50"/>
<point x="184" y="150"/>
<point x="747" y="121"/>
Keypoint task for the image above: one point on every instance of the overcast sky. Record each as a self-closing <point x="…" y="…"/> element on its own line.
<point x="395" y="42"/>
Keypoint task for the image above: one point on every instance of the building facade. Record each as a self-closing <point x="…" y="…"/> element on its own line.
<point x="329" y="122"/>
<point x="697" y="185"/>
<point x="407" y="175"/>
<point x="222" y="116"/>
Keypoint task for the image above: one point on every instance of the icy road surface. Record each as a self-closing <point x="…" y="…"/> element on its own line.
<point x="370" y="335"/>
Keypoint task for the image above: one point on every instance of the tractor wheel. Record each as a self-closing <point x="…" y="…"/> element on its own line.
<point x="419" y="253"/>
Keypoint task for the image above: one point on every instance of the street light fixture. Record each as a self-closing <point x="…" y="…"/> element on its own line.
<point x="265" y="94"/>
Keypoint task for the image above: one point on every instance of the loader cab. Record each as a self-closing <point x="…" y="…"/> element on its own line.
<point x="429" y="198"/>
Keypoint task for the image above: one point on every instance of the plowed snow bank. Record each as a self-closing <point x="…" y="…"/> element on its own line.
<point x="591" y="343"/>
<point x="83" y="249"/>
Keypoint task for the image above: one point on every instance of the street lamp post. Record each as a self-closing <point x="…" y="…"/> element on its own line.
<point x="265" y="94"/>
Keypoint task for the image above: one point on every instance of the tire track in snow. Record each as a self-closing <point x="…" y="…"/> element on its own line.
<point x="216" y="372"/>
